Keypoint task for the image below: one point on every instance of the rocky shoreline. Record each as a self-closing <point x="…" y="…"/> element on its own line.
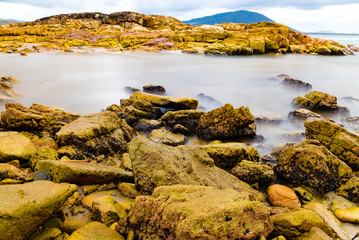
<point x="126" y="173"/>
<point x="138" y="32"/>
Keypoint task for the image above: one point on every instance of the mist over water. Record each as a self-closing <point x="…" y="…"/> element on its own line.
<point x="89" y="82"/>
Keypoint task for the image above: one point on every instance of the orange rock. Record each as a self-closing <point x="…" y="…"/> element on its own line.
<point x="280" y="195"/>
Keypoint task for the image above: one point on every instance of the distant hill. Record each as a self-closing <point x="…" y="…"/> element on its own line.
<point x="7" y="21"/>
<point x="241" y="16"/>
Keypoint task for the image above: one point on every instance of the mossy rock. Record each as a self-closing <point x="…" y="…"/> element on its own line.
<point x="166" y="137"/>
<point x="187" y="118"/>
<point x="72" y="224"/>
<point x="323" y="50"/>
<point x="60" y="114"/>
<point x="253" y="172"/>
<point x="14" y="145"/>
<point x="95" y="231"/>
<point x="350" y="189"/>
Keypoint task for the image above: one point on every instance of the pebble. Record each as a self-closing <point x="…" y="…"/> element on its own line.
<point x="283" y="196"/>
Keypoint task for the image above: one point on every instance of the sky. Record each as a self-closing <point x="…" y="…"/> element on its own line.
<point x="304" y="15"/>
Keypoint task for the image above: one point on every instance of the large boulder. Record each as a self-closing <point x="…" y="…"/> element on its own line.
<point x="228" y="155"/>
<point x="196" y="212"/>
<point x="15" y="146"/>
<point x="83" y="173"/>
<point x="98" y="133"/>
<point x="342" y="143"/>
<point x="167" y="102"/>
<point x="187" y="118"/>
<point x="25" y="207"/>
<point x="310" y="164"/>
<point x="226" y="122"/>
<point x="157" y="165"/>
<point x="318" y="100"/>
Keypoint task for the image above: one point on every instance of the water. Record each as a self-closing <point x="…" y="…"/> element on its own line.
<point x="89" y="82"/>
<point x="342" y="38"/>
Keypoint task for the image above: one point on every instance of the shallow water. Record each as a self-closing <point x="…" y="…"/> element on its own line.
<point x="89" y="82"/>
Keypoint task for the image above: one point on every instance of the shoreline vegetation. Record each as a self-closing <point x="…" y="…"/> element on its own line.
<point x="138" y="32"/>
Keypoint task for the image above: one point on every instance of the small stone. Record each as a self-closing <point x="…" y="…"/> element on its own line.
<point x="280" y="195"/>
<point x="348" y="215"/>
<point x="41" y="175"/>
<point x="228" y="218"/>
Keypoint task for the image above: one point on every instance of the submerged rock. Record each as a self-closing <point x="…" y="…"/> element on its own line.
<point x="302" y="114"/>
<point x="25" y="207"/>
<point x="226" y="122"/>
<point x="319" y="101"/>
<point x="291" y="82"/>
<point x="197" y="212"/>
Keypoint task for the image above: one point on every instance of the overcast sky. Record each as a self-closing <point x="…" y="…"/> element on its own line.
<point x="304" y="15"/>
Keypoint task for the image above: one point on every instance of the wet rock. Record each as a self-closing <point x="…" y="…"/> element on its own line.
<point x="315" y="233"/>
<point x="50" y="233"/>
<point x="10" y="171"/>
<point x="186" y="118"/>
<point x="95" y="230"/>
<point x="156" y="89"/>
<point x="167" y="102"/>
<point x="294" y="137"/>
<point x="226" y="122"/>
<point x="350" y="189"/>
<point x="302" y="114"/>
<point x="60" y="115"/>
<point x="252" y="172"/>
<point x="283" y="196"/>
<point x="179" y="165"/>
<point x="72" y="224"/>
<point x="319" y="101"/>
<point x="83" y="173"/>
<point x="14" y="145"/>
<point x="342" y="143"/>
<point x="228" y="155"/>
<point x="166" y="137"/>
<point x="309" y="164"/>
<point x="99" y="133"/>
<point x="191" y="212"/>
<point x="25" y="207"/>
<point x="146" y="125"/>
<point x="131" y="89"/>
<point x="348" y="215"/>
<point x="291" y="82"/>
<point x="178" y="128"/>
<point x="20" y="118"/>
<point x="41" y="175"/>
<point x="267" y="120"/>
<point x="128" y="189"/>
<point x="299" y="221"/>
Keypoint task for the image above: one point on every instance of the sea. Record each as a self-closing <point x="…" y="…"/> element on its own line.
<point x="88" y="81"/>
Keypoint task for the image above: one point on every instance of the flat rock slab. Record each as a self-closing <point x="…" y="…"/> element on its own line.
<point x="167" y="102"/>
<point x="27" y="206"/>
<point x="15" y="146"/>
<point x="83" y="173"/>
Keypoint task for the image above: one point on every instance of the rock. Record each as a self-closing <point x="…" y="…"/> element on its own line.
<point x="126" y="161"/>
<point x="95" y="230"/>
<point x="228" y="155"/>
<point x="131" y="89"/>
<point x="14" y="145"/>
<point x="48" y="234"/>
<point x="156" y="89"/>
<point x="146" y="125"/>
<point x="302" y="114"/>
<point x="178" y="128"/>
<point x="348" y="215"/>
<point x="167" y="102"/>
<point x="328" y="217"/>
<point x="323" y="50"/>
<point x="299" y="221"/>
<point x="208" y="101"/>
<point x="128" y="190"/>
<point x="40" y="175"/>
<point x="267" y="120"/>
<point x="60" y="115"/>
<point x="283" y="196"/>
<point x="186" y="118"/>
<point x="10" y="171"/>
<point x="99" y="133"/>
<point x="27" y="206"/>
<point x="294" y="137"/>
<point x="166" y="137"/>
<point x="291" y="82"/>
<point x="252" y="172"/>
<point x="342" y="143"/>
<point x="20" y="118"/>
<point x="196" y="212"/>
<point x="83" y="173"/>
<point x="315" y="233"/>
<point x="72" y="224"/>
<point x="319" y="101"/>
<point x="179" y="165"/>
<point x="309" y="164"/>
<point x="350" y="189"/>
<point x="226" y="122"/>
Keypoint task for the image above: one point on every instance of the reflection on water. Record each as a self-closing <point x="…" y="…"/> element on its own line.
<point x="89" y="82"/>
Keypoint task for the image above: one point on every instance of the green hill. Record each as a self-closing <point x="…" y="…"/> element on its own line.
<point x="241" y="16"/>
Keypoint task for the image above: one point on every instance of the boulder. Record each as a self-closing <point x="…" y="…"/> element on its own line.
<point x="157" y="165"/>
<point x="73" y="223"/>
<point x="228" y="155"/>
<point x="178" y="128"/>
<point x="226" y="122"/>
<point x="83" y="173"/>
<point x="196" y="212"/>
<point x="312" y="165"/>
<point x="19" y="118"/>
<point x="302" y="114"/>
<point x="167" y="102"/>
<point x="299" y="221"/>
<point x="128" y="189"/>
<point x="25" y="207"/>
<point x="186" y="118"/>
<point x="60" y="115"/>
<point x="146" y="125"/>
<point x="318" y="101"/>
<point x="98" y="133"/>
<point x="283" y="196"/>
<point x="291" y="82"/>
<point x="14" y="145"/>
<point x="12" y="172"/>
<point x="350" y="189"/>
<point x="157" y="89"/>
<point x="93" y="231"/>
<point x="342" y="143"/>
<point x="166" y="137"/>
<point x="253" y="172"/>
